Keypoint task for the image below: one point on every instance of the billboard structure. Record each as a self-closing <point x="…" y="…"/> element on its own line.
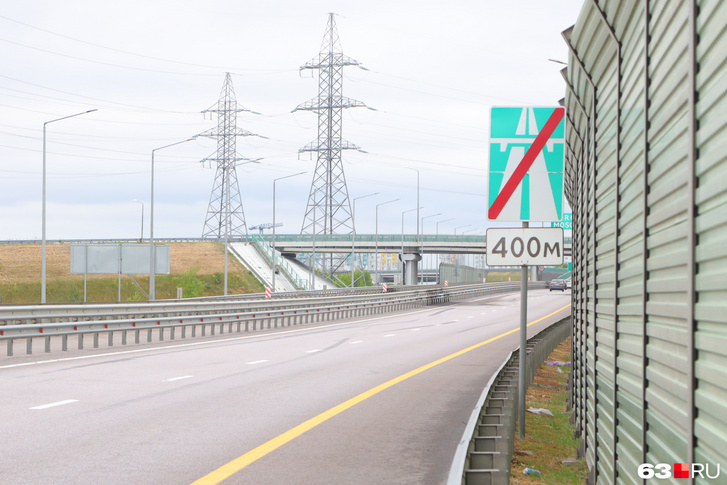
<point x="118" y="259"/>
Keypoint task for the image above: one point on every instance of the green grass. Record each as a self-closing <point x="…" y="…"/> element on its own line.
<point x="548" y="440"/>
<point x="343" y="280"/>
<point x="496" y="276"/>
<point x="106" y="289"/>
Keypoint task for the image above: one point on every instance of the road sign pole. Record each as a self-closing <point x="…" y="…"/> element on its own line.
<point x="523" y="347"/>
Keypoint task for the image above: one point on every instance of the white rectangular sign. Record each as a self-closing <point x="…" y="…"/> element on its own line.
<point x="525" y="246"/>
<point x="118" y="258"/>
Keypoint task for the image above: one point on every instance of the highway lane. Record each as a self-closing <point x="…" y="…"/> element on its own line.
<point x="178" y="412"/>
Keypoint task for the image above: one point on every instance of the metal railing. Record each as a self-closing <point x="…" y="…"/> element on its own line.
<point x="282" y="238"/>
<point x="485" y="452"/>
<point x="267" y="252"/>
<point x="322" y="238"/>
<point x="45" y="321"/>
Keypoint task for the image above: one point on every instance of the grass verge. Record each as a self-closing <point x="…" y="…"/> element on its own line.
<point x="549" y="440"/>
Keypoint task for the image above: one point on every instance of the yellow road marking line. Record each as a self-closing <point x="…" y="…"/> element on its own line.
<point x="229" y="469"/>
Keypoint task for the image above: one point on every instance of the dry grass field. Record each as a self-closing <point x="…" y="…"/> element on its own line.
<point x="20" y="271"/>
<point x="21" y="263"/>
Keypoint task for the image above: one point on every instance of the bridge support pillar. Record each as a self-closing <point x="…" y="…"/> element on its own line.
<point x="411" y="268"/>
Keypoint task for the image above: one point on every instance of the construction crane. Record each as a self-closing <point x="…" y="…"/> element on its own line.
<point x="267" y="225"/>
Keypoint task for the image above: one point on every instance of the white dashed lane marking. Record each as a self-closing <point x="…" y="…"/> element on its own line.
<point x="54" y="404"/>
<point x="257" y="362"/>
<point x="177" y="378"/>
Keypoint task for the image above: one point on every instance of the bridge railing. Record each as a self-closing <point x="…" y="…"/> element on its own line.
<point x="383" y="238"/>
<point x="283" y="264"/>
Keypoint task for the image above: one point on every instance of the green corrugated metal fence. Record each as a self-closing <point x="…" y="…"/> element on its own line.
<point x="646" y="166"/>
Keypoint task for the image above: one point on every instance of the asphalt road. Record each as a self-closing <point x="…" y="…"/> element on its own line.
<point x="301" y="405"/>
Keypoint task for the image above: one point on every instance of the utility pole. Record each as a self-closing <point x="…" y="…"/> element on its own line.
<point x="329" y="208"/>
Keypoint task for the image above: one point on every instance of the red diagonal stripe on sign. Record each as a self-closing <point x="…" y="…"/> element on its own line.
<point x="519" y="174"/>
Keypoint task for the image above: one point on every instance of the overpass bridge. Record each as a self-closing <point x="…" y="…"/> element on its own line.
<point x="410" y="246"/>
<point x="385" y="243"/>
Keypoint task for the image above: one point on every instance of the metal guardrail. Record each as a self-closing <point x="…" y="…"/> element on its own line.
<point x="484" y="454"/>
<point x="46" y="321"/>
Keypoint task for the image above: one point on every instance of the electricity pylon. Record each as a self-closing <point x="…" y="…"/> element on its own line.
<point x="225" y="215"/>
<point x="329" y="207"/>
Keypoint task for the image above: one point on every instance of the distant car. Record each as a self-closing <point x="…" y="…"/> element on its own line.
<point x="567" y="283"/>
<point x="557" y="285"/>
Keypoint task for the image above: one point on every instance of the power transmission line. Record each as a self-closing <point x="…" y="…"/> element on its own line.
<point x="329" y="209"/>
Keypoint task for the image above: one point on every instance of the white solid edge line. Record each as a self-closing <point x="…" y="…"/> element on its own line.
<point x="244" y="337"/>
<point x="356" y="342"/>
<point x="54" y="404"/>
<point x="257" y="362"/>
<point x="312" y="351"/>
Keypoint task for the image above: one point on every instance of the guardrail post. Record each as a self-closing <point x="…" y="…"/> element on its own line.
<point x="161" y="334"/>
<point x="80" y="341"/>
<point x="171" y="333"/>
<point x="47" y="344"/>
<point x="29" y="345"/>
<point x="10" y="347"/>
<point x="64" y="342"/>
<point x="95" y="340"/>
<point x="137" y="334"/>
<point x="148" y="335"/>
<point x="111" y="338"/>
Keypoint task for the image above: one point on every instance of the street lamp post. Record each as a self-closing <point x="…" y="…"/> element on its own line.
<point x="353" y="237"/>
<point x="460" y="227"/>
<point x="152" y="262"/>
<point x="226" y="169"/>
<point x="446" y="220"/>
<point x="376" y="255"/>
<point x="43" y="251"/>
<point x="274" y="256"/>
<point x="142" y="219"/>
<point x="402" y="239"/>
<point x="426" y="217"/>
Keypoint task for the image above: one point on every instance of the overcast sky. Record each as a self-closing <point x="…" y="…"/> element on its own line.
<point x="150" y="67"/>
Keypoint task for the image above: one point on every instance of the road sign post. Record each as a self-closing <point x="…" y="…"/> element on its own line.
<point x="527" y="147"/>
<point x="523" y="345"/>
